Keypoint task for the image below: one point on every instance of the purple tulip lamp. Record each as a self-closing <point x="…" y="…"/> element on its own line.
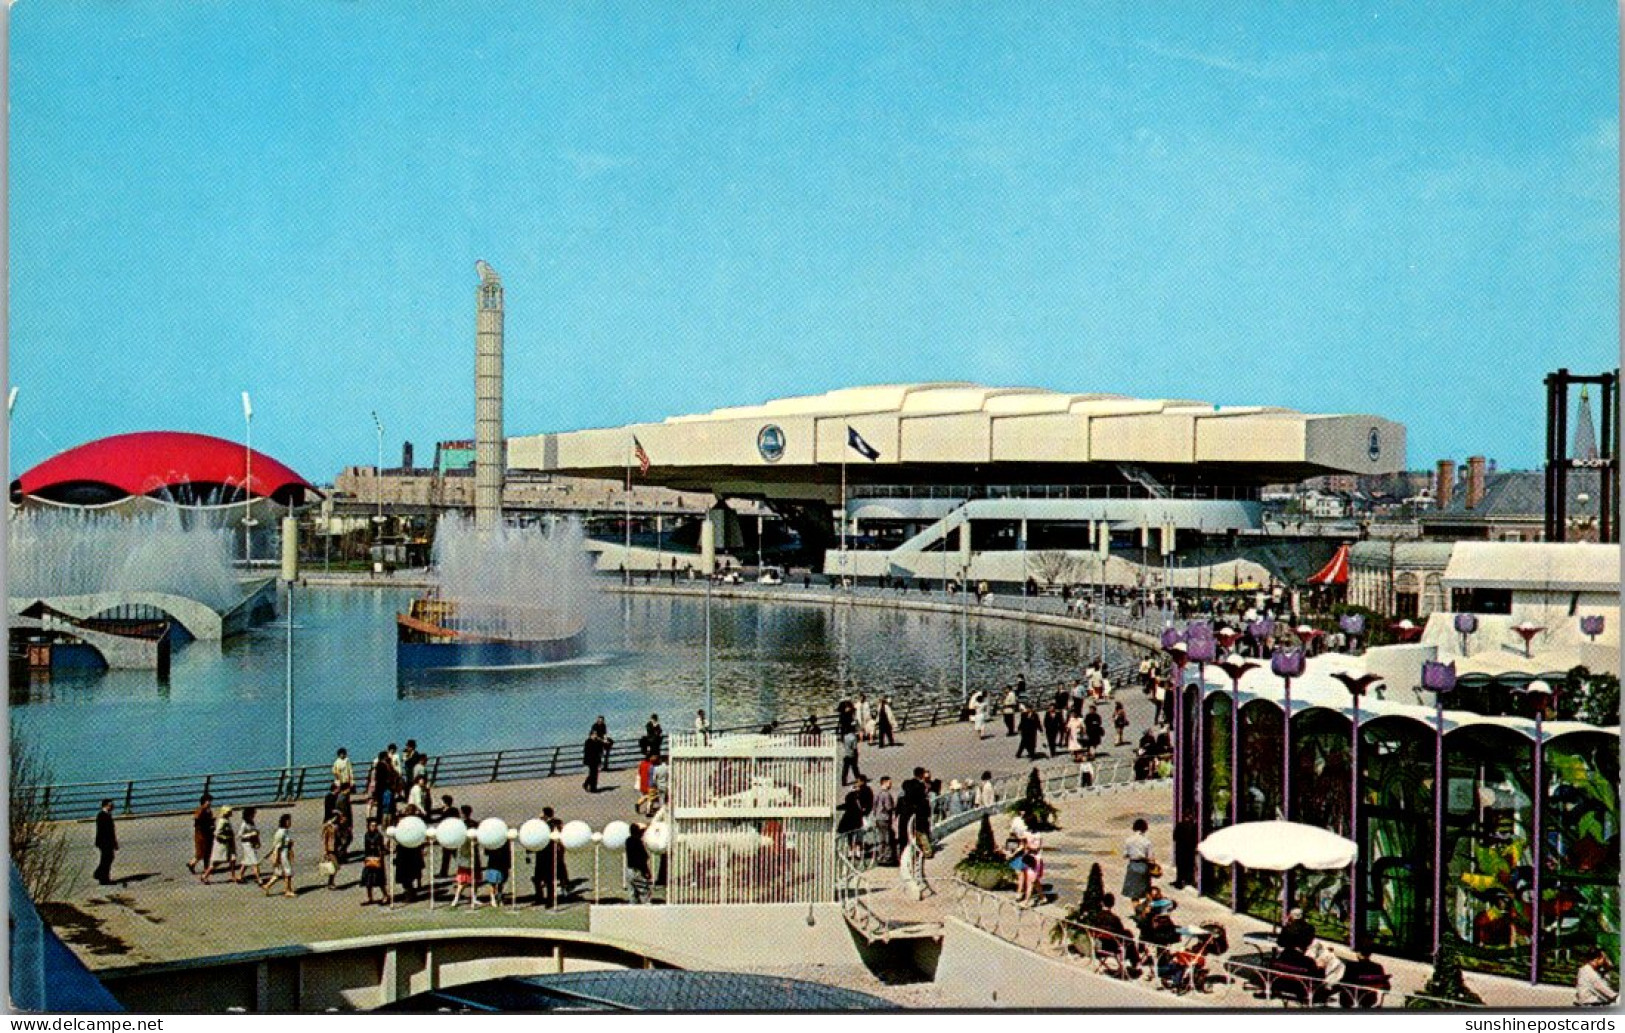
<point x="1439" y="679"/>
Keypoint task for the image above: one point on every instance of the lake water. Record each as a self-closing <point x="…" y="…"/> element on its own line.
<point x="223" y="706"/>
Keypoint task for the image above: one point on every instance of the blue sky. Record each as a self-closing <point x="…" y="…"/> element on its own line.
<point x="1409" y="209"/>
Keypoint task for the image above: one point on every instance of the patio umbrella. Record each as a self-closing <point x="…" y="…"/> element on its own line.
<point x="1278" y="846"/>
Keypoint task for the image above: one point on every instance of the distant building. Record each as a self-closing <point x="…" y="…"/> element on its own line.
<point x="1510" y="506"/>
<point x="1401" y="579"/>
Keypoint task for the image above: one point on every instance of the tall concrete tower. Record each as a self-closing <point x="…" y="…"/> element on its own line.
<point x="490" y="447"/>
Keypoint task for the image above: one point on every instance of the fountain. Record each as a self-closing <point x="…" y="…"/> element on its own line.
<point x="57" y="553"/>
<point x="92" y="589"/>
<point x="505" y="597"/>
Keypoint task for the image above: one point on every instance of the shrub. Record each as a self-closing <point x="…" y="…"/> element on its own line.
<point x="1037" y="812"/>
<point x="985" y="865"/>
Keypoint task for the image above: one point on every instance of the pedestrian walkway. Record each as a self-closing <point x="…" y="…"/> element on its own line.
<point x="157" y="911"/>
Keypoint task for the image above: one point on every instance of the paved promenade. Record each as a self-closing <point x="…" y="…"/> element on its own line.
<point x="160" y="912"/>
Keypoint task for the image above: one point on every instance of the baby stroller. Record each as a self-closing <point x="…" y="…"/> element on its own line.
<point x="1186" y="969"/>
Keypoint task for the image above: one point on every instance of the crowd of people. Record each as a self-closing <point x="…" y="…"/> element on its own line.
<point x="228" y="843"/>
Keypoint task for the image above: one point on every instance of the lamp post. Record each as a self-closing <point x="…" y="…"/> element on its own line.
<point x="378" y="471"/>
<point x="1466" y="624"/>
<point x="1527" y="630"/>
<point x="1353" y="625"/>
<point x="964" y="638"/>
<point x="1234" y="666"/>
<point x="1357" y="684"/>
<point x="248" y="482"/>
<point x="1260" y="631"/>
<point x="1542" y="694"/>
<point x="1439" y="679"/>
<point x="1175" y="648"/>
<point x="290" y="574"/>
<point x="1199" y="646"/>
<point x="709" y="712"/>
<point x="448" y="834"/>
<point x="1286" y="664"/>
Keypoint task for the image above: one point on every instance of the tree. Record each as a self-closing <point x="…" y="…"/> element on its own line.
<point x="1055" y="567"/>
<point x="985" y="865"/>
<point x="1094" y="894"/>
<point x="38" y="847"/>
<point x="1444" y="985"/>
<point x="985" y="849"/>
<point x="1037" y="812"/>
<point x="1088" y="907"/>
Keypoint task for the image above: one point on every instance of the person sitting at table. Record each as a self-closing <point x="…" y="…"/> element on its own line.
<point x="1296" y="977"/>
<point x="1161" y="936"/>
<point x="1297" y="933"/>
<point x="1363" y="980"/>
<point x="1113" y="941"/>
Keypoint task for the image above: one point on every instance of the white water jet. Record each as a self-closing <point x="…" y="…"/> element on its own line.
<point x="59" y="552"/>
<point x="513" y="582"/>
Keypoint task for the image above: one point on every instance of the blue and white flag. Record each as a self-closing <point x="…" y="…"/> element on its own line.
<point x="860" y="446"/>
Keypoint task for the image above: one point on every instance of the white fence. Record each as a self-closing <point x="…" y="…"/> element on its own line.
<point x="753" y="819"/>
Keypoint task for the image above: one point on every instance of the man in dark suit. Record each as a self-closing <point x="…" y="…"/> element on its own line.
<point x="106" y="843"/>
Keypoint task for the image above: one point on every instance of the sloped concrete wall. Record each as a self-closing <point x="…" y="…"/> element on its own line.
<point x="979" y="970"/>
<point x="731" y="936"/>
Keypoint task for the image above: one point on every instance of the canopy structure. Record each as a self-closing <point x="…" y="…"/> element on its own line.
<point x="1278" y="846"/>
<point x="1336" y="570"/>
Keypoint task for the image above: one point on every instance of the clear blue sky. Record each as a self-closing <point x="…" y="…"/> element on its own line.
<point x="1409" y="209"/>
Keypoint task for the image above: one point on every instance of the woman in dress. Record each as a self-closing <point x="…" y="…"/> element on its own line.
<point x="372" y="861"/>
<point x="409" y="863"/>
<point x="1074" y="732"/>
<point x="464" y="877"/>
<point x="331" y="832"/>
<point x="498" y="863"/>
<point x="225" y="847"/>
<point x="202" y="833"/>
<point x="1137" y="851"/>
<point x="1030" y="877"/>
<point x="978" y="712"/>
<point x="986" y="794"/>
<point x="1120" y="722"/>
<point x="281" y="857"/>
<point x="248" y="847"/>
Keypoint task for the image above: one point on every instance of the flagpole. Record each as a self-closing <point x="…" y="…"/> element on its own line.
<point x="626" y="563"/>
<point x="847" y="445"/>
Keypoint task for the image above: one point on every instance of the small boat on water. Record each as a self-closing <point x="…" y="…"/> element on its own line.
<point x="447" y="634"/>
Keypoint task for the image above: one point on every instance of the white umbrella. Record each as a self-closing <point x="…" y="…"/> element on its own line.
<point x="1277" y="846"/>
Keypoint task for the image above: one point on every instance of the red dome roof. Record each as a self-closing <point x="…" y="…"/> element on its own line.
<point x="154" y="462"/>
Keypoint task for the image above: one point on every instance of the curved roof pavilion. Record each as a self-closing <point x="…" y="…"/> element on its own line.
<point x="1316" y="688"/>
<point x="965" y="433"/>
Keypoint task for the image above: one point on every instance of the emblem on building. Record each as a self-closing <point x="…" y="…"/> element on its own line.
<point x="770" y="443"/>
<point x="1373" y="447"/>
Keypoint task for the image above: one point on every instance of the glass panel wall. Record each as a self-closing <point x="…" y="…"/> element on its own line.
<point x="1216" y="789"/>
<point x="1260" y="798"/>
<point x="1397" y="765"/>
<point x="1320" y="796"/>
<point x="1489" y="815"/>
<point x="1580" y="876"/>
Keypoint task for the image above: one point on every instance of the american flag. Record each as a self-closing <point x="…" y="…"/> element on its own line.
<point x="642" y="456"/>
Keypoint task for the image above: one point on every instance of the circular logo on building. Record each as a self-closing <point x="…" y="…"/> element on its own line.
<point x="770" y="443"/>
<point x="1373" y="447"/>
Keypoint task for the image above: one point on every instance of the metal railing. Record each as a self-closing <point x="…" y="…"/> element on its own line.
<point x="971" y="492"/>
<point x="171" y="794"/>
<point x="1187" y="967"/>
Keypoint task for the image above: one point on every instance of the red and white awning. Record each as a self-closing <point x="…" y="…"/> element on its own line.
<point x="1335" y="572"/>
